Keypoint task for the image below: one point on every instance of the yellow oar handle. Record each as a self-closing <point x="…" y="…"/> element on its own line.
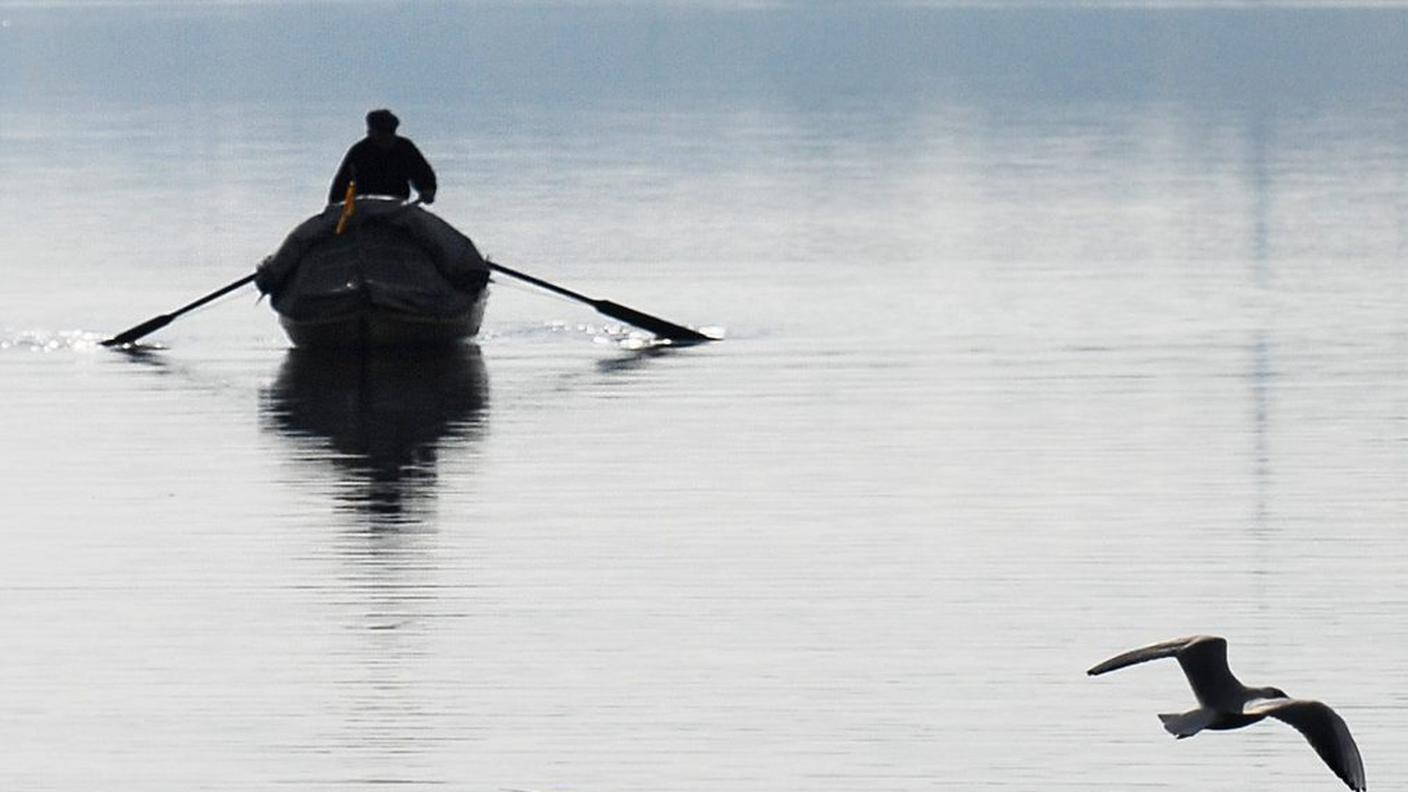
<point x="349" y="207"/>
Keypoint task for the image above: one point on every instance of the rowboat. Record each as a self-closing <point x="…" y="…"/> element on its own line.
<point x="397" y="276"/>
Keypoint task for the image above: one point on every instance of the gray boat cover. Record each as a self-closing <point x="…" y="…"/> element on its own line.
<point x="397" y="257"/>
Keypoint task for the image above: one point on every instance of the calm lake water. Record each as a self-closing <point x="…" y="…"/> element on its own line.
<point x="1049" y="334"/>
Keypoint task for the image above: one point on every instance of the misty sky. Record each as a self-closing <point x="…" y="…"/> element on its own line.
<point x="746" y="4"/>
<point x="810" y="54"/>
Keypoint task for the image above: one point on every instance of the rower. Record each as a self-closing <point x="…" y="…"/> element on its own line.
<point x="383" y="163"/>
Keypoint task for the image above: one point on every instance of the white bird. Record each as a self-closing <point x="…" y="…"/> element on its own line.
<point x="1228" y="704"/>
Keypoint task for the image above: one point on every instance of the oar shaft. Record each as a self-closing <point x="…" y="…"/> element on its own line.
<point x="215" y="295"/>
<point x="552" y="287"/>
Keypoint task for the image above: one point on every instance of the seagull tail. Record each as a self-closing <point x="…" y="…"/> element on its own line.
<point x="1186" y="724"/>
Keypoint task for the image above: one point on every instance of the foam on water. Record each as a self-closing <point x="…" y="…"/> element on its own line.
<point x="50" y="340"/>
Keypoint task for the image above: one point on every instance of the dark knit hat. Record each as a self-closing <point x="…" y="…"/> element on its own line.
<point x="382" y="121"/>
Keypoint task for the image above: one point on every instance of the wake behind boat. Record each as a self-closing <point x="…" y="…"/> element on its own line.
<point x="397" y="276"/>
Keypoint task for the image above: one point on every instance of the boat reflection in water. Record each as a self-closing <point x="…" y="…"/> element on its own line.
<point x="380" y="417"/>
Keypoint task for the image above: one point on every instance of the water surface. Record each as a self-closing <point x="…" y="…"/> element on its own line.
<point x="1036" y="351"/>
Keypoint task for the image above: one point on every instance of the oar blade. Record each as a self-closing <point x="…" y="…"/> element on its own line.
<point x="157" y="322"/>
<point x="653" y="324"/>
<point x="150" y="326"/>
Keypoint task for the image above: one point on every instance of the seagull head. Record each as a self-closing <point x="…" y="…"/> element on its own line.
<point x="1268" y="693"/>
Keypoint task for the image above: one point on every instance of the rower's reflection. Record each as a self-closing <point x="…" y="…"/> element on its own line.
<point x="382" y="416"/>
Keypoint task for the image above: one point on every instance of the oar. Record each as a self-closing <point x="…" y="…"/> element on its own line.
<point x="653" y="324"/>
<point x="157" y="322"/>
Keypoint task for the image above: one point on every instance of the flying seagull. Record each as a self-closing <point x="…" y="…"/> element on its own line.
<point x="1226" y="703"/>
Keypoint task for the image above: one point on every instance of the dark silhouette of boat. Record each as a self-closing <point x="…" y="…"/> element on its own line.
<point x="394" y="276"/>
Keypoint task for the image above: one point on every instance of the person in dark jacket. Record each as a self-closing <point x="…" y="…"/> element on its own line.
<point x="384" y="163"/>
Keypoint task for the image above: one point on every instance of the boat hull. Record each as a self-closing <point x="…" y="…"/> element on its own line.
<point x="375" y="327"/>
<point x="397" y="277"/>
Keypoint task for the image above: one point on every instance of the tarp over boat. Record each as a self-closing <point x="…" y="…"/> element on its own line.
<point x="391" y="256"/>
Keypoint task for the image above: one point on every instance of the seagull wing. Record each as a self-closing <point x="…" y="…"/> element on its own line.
<point x="1147" y="653"/>
<point x="1325" y="730"/>
<point x="1204" y="662"/>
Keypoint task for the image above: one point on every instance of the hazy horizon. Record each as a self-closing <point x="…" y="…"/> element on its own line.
<point x="497" y="54"/>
